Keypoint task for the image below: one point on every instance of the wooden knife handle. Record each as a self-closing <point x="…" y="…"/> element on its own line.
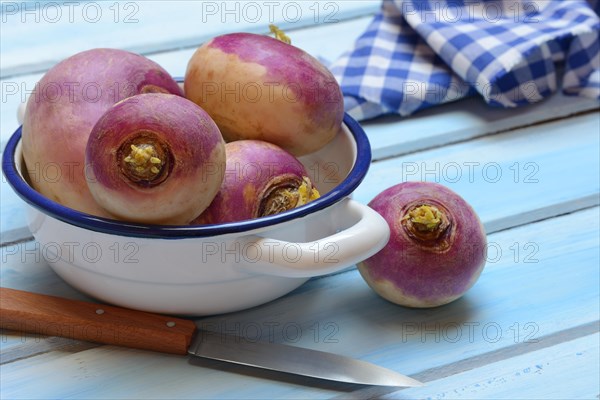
<point x="55" y="316"/>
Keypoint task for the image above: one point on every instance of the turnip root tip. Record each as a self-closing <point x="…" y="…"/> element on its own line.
<point x="429" y="225"/>
<point x="261" y="179"/>
<point x="286" y="196"/>
<point x="147" y="162"/>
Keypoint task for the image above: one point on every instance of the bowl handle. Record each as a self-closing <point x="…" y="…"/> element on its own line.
<point x="365" y="237"/>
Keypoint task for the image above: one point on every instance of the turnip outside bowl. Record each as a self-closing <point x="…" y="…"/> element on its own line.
<point x="210" y="269"/>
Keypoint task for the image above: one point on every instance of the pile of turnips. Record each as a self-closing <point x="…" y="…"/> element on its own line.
<point x="130" y="144"/>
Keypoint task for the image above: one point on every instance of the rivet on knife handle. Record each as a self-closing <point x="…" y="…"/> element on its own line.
<point x="54" y="316"/>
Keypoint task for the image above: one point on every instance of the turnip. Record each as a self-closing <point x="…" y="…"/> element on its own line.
<point x="65" y="105"/>
<point x="436" y="250"/>
<point x="259" y="87"/>
<point x="155" y="158"/>
<point x="261" y="179"/>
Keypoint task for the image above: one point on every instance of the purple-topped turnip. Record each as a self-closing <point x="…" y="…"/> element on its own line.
<point x="437" y="247"/>
<point x="155" y="158"/>
<point x="65" y="105"/>
<point x="259" y="87"/>
<point x="261" y="179"/>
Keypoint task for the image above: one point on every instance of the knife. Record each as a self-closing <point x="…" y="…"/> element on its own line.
<point x="55" y="316"/>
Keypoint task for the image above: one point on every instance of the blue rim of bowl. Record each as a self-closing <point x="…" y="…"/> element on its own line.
<point x="122" y="228"/>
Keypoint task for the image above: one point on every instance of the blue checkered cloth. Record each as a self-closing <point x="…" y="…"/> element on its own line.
<point x="420" y="53"/>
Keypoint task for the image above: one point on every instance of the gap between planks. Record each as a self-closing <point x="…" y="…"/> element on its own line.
<point x="41" y="345"/>
<point x="15" y="236"/>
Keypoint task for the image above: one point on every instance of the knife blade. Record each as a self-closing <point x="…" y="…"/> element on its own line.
<point x="73" y="319"/>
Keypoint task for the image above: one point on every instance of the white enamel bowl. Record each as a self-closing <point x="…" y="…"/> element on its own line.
<point x="211" y="269"/>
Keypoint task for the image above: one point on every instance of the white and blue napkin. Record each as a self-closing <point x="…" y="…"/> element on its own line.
<point x="420" y="53"/>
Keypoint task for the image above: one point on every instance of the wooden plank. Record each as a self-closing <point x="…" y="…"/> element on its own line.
<point x="568" y="370"/>
<point x="549" y="285"/>
<point x="30" y="32"/>
<point x="92" y="375"/>
<point x="512" y="178"/>
<point x="18" y="345"/>
<point x="463" y="120"/>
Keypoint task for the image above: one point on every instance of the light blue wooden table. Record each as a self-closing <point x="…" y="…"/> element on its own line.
<point x="528" y="329"/>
